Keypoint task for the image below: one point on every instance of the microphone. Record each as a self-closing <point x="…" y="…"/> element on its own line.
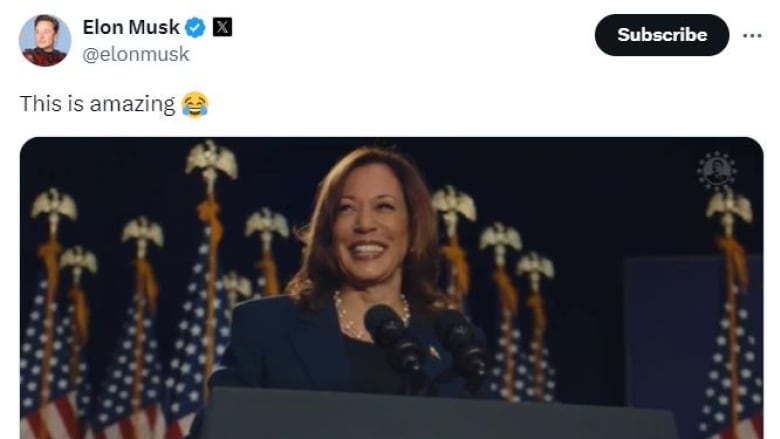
<point x="404" y="352"/>
<point x="470" y="357"/>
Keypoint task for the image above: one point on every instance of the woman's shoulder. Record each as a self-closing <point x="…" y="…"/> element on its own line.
<point x="266" y="313"/>
<point x="266" y="310"/>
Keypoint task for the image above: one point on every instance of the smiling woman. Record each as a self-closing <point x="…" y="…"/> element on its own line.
<point x="373" y="231"/>
<point x="372" y="240"/>
<point x="370" y="235"/>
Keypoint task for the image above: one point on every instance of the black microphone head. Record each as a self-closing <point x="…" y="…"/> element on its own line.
<point x="460" y="337"/>
<point x="383" y="323"/>
<point x="453" y="329"/>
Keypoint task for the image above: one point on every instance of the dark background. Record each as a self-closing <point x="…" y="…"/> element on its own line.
<point x="585" y="203"/>
<point x="669" y="359"/>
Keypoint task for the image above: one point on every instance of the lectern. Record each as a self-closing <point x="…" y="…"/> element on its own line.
<point x="244" y="413"/>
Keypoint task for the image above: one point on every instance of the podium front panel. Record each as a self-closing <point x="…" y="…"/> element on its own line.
<point x="243" y="413"/>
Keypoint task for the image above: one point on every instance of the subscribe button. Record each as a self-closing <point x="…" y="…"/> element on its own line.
<point x="662" y="35"/>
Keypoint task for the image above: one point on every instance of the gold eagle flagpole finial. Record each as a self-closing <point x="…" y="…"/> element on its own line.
<point x="536" y="267"/>
<point x="500" y="238"/>
<point x="143" y="232"/>
<point x="451" y="203"/>
<point x="54" y="204"/>
<point x="266" y="222"/>
<point x="730" y="207"/>
<point x="210" y="158"/>
<point x="236" y="285"/>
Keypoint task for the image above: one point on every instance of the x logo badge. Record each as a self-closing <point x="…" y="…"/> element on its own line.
<point x="222" y="27"/>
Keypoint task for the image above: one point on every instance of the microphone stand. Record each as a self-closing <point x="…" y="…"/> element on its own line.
<point x="473" y="384"/>
<point x="418" y="384"/>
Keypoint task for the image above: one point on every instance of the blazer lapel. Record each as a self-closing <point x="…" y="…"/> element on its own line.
<point x="320" y="348"/>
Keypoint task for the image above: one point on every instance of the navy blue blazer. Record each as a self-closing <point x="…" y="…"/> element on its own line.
<point x="276" y="344"/>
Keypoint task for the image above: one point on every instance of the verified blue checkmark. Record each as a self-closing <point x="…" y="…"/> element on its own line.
<point x="195" y="27"/>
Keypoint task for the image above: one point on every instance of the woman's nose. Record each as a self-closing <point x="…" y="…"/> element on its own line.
<point x="364" y="221"/>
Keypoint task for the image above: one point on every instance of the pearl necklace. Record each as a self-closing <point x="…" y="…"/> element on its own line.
<point x="348" y="326"/>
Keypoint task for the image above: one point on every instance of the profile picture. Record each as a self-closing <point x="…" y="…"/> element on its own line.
<point x="44" y="40"/>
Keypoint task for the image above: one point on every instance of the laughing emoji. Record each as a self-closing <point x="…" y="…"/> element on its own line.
<point x="195" y="104"/>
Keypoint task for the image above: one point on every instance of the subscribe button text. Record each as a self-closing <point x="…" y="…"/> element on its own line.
<point x="662" y="35"/>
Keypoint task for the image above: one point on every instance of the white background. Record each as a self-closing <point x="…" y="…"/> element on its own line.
<point x="397" y="68"/>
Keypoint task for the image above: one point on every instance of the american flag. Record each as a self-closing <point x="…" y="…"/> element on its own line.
<point x="188" y="367"/>
<point x="131" y="403"/>
<point x="716" y="412"/>
<point x="526" y="370"/>
<point x="67" y="400"/>
<point x="506" y="380"/>
<point x="79" y="380"/>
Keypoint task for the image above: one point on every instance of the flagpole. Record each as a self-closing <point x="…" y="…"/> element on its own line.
<point x="137" y="347"/>
<point x="266" y="222"/>
<point x="735" y="263"/>
<point x="53" y="204"/>
<point x="535" y="303"/>
<point x="208" y="210"/>
<point x="536" y="266"/>
<point x="143" y="231"/>
<point x="501" y="237"/>
<point x="733" y="346"/>
<point x="730" y="207"/>
<point x="79" y="260"/>
<point x="451" y="203"/>
<point x="508" y="297"/>
<point x="211" y="158"/>
<point x="457" y="271"/>
<point x="49" y="252"/>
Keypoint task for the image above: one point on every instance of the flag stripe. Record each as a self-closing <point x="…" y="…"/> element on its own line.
<point x="65" y="408"/>
<point x="728" y="433"/>
<point x="749" y="428"/>
<point x="55" y="423"/>
<point x="114" y="432"/>
<point x="173" y="431"/>
<point x="151" y="425"/>
<point x="185" y="423"/>
<point x="126" y="427"/>
<point x="745" y="429"/>
<point x="156" y="421"/>
<point x="758" y="425"/>
<point x="34" y="419"/>
<point x="151" y="416"/>
<point x="26" y="430"/>
<point x="60" y="421"/>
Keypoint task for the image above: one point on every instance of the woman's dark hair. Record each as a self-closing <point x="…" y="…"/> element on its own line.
<point x="319" y="275"/>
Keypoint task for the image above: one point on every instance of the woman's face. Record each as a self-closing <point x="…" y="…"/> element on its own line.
<point x="371" y="227"/>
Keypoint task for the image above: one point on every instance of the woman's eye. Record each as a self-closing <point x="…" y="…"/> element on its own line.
<point x="386" y="206"/>
<point x="345" y="207"/>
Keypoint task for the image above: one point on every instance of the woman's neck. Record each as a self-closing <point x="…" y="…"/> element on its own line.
<point x="358" y="301"/>
<point x="354" y="303"/>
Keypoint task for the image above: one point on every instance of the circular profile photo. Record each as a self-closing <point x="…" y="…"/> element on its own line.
<point x="45" y="40"/>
